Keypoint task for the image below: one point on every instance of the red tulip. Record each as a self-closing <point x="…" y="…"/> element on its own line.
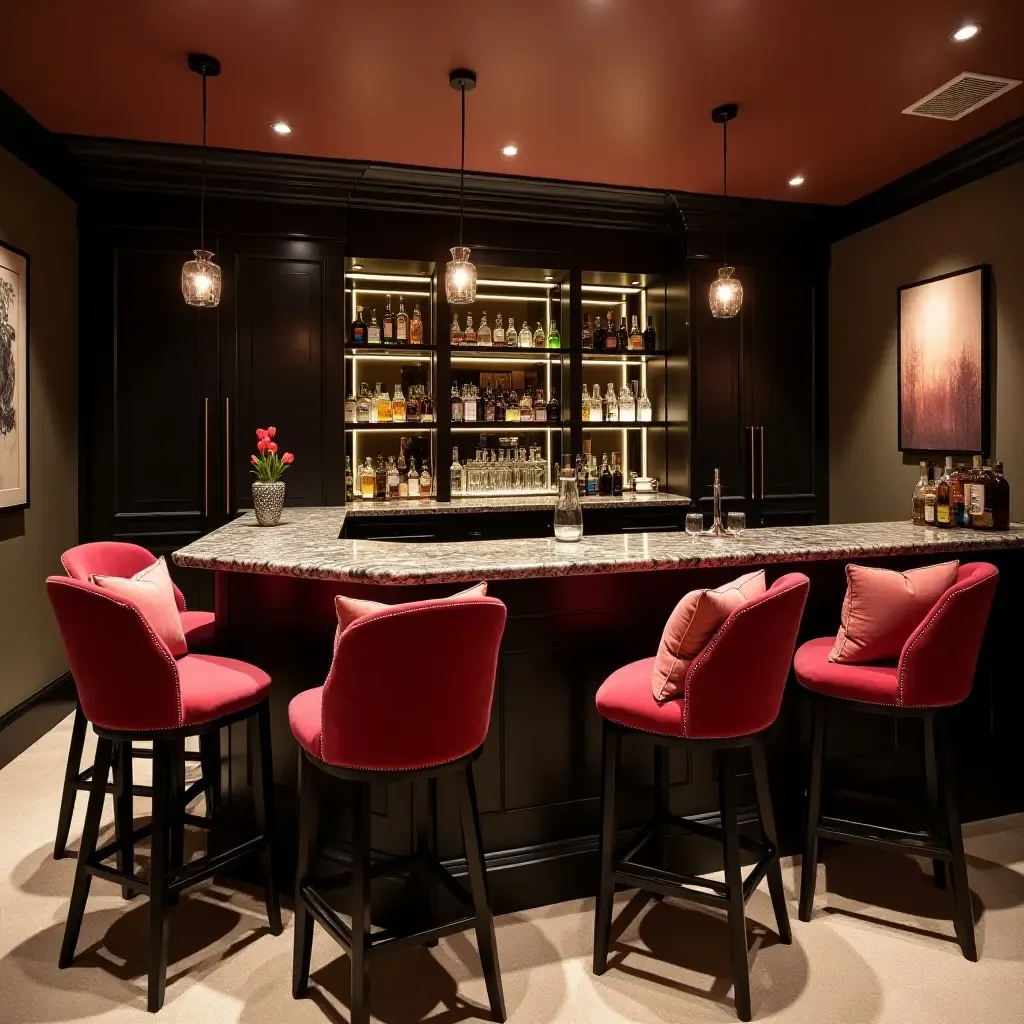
<point x="271" y="431"/>
<point x="271" y="447"/>
<point x="262" y="445"/>
<point x="261" y="434"/>
<point x="254" y="460"/>
<point x="287" y="458"/>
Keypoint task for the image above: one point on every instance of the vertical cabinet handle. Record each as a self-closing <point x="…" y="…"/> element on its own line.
<point x="762" y="463"/>
<point x="752" y="494"/>
<point x="206" y="457"/>
<point x="227" y="455"/>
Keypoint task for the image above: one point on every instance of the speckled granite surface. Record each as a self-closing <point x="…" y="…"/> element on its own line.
<point x="306" y="545"/>
<point x="484" y="504"/>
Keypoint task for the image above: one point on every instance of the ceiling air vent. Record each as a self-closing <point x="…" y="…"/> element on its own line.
<point x="960" y="95"/>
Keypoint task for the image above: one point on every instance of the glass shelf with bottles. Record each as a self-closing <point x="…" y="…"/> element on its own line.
<point x="529" y="406"/>
<point x="601" y="339"/>
<point x="503" y="337"/>
<point x="627" y="406"/>
<point x="390" y="477"/>
<point x="380" y="409"/>
<point x="502" y="468"/>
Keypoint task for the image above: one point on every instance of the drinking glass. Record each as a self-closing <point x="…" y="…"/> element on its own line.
<point x="694" y="523"/>
<point x="736" y="522"/>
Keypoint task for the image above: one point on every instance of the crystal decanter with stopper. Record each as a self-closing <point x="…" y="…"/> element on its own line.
<point x="568" y="514"/>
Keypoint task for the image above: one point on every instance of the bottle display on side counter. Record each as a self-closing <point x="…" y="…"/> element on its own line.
<point x="978" y="497"/>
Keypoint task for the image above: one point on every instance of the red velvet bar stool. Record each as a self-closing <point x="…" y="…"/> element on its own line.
<point x="130" y="687"/>
<point x="732" y="694"/>
<point x="371" y="726"/>
<point x="935" y="672"/>
<point x="115" y="558"/>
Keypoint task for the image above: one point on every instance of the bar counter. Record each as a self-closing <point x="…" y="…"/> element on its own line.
<point x="576" y="612"/>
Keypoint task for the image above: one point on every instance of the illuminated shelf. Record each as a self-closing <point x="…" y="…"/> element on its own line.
<point x="636" y="358"/>
<point x="373" y="428"/>
<point x="363" y="351"/>
<point x="476" y="354"/>
<point x="622" y="426"/>
<point x="507" y="427"/>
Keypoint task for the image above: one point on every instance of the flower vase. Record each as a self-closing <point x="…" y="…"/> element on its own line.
<point x="268" y="501"/>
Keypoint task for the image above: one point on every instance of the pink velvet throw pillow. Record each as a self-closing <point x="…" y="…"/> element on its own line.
<point x="693" y="622"/>
<point x="152" y="592"/>
<point x="883" y="607"/>
<point x="351" y="608"/>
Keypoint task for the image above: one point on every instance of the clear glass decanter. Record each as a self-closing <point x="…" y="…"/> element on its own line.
<point x="568" y="514"/>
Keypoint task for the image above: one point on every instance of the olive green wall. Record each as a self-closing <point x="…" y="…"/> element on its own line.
<point x="982" y="222"/>
<point x="39" y="219"/>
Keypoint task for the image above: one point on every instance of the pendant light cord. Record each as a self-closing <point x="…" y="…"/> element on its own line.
<point x="202" y="189"/>
<point x="462" y="169"/>
<point x="725" y="191"/>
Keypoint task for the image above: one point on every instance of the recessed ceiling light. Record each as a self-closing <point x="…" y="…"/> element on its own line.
<point x="281" y="127"/>
<point x="357" y="266"/>
<point x="509" y="150"/>
<point x="636" y="283"/>
<point x="797" y="181"/>
<point x="965" y="32"/>
<point x="548" y="277"/>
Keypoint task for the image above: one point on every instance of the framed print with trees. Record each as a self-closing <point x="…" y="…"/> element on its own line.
<point x="13" y="378"/>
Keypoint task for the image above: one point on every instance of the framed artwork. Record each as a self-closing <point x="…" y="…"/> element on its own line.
<point x="13" y="378"/>
<point x="942" y="331"/>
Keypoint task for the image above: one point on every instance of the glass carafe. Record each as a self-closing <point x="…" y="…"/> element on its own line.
<point x="568" y="514"/>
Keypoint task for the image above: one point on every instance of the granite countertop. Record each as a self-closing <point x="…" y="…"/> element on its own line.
<point x="420" y="506"/>
<point x="306" y="545"/>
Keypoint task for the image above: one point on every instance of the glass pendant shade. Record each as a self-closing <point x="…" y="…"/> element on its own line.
<point x="200" y="280"/>
<point x="460" y="278"/>
<point x="725" y="295"/>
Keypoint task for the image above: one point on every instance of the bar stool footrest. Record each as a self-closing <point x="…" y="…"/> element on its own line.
<point x="922" y="844"/>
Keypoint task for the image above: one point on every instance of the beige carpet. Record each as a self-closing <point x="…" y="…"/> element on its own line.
<point x="879" y="947"/>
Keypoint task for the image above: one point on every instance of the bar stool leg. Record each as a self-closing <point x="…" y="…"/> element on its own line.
<point x="661" y="808"/>
<point x="611" y="741"/>
<point x="424" y="889"/>
<point x="83" y="879"/>
<point x="963" y="919"/>
<point x="71" y="773"/>
<point x="175" y="810"/>
<point x="303" y="946"/>
<point x="360" y="1010"/>
<point x="734" y="880"/>
<point x="767" y="815"/>
<point x="263" y="792"/>
<point x="165" y="767"/>
<point x="124" y="816"/>
<point x="809" y="867"/>
<point x="209" y="756"/>
<point x="934" y="807"/>
<point x="485" y="938"/>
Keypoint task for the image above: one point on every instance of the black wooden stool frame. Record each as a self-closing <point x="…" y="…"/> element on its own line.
<point x="357" y="940"/>
<point x="168" y="874"/>
<point x="732" y="894"/>
<point x="943" y="842"/>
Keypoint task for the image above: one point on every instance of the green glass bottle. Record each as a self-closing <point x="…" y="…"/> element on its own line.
<point x="554" y="339"/>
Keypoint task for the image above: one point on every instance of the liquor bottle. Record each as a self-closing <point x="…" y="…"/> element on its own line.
<point x="623" y="337"/>
<point x="554" y="409"/>
<point x="489" y="402"/>
<point x="384" y="407"/>
<point x="540" y="408"/>
<point x="959" y="506"/>
<point x="348" y="477"/>
<point x="367" y="480"/>
<point x="929" y="497"/>
<point x="426" y="481"/>
<point x="498" y="335"/>
<point x="596" y="406"/>
<point x="585" y="405"/>
<point x="388" y="323"/>
<point x="412" y="404"/>
<point x="986" y="519"/>
<point x="469" y="338"/>
<point x="526" y="406"/>
<point x="350" y="406"/>
<point x="357" y="332"/>
<point x="426" y="408"/>
<point x="588" y="340"/>
<point x="483" y="336"/>
<point x="413" y="483"/>
<point x="943" y="497"/>
<point x="581" y="477"/>
<point x="539" y="341"/>
<point x="650" y="336"/>
<point x="1000" y="499"/>
<point x="455" y="333"/>
<point x="512" y="407"/>
<point x="403" y="471"/>
<point x="392" y="478"/>
<point x="511" y="337"/>
<point x="917" y="513"/>
<point x="616" y="475"/>
<point x="402" y="323"/>
<point x="398" y="405"/>
<point x="627" y="406"/>
<point x="554" y="338"/>
<point x="416" y="326"/>
<point x="456" y="405"/>
<point x="456" y="472"/>
<point x="373" y="331"/>
<point x="499" y="406"/>
<point x="636" y="339"/>
<point x="611" y="339"/>
<point x="974" y="492"/>
<point x="470" y="404"/>
<point x="643" y="407"/>
<point x="604" y="484"/>
<point x="380" y="479"/>
<point x="611" y="406"/>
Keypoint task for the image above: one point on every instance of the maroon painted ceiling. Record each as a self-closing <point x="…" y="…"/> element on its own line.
<point x="612" y="91"/>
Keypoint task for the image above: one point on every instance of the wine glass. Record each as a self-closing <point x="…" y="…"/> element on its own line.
<point x="736" y="522"/>
<point x="694" y="524"/>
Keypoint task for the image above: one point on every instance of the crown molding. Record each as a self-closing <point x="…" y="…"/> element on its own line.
<point x="37" y="147"/>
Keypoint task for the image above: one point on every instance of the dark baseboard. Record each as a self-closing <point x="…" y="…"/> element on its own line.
<point x="35" y="716"/>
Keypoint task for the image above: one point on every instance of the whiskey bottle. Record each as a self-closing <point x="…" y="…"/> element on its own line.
<point x="929" y="497"/>
<point x="483" y="336"/>
<point x="350" y="407"/>
<point x="489" y="402"/>
<point x="456" y="473"/>
<point x="416" y="326"/>
<point x="413" y="483"/>
<point x="958" y="505"/>
<point x="392" y="478"/>
<point x="611" y="406"/>
<point x="469" y="338"/>
<point x="426" y="408"/>
<point x="511" y="337"/>
<point x="388" y="323"/>
<point x="623" y="337"/>
<point x="403" y="471"/>
<point x="498" y="335"/>
<point x="585" y="405"/>
<point x="426" y="481"/>
<point x="581" y="477"/>
<point x="526" y="406"/>
<point x="367" y="480"/>
<point x="348" y="478"/>
<point x="1000" y="499"/>
<point x="986" y="520"/>
<point x="598" y="339"/>
<point x="357" y="332"/>
<point x="627" y="406"/>
<point x="611" y="339"/>
<point x="412" y="404"/>
<point x="373" y="331"/>
<point x="470" y="403"/>
<point x="943" y="496"/>
<point x="974" y="493"/>
<point x="381" y="479"/>
<point x="554" y="338"/>
<point x="554" y="409"/>
<point x="383" y="407"/>
<point x="499" y="406"/>
<point x="604" y="484"/>
<point x="650" y="336"/>
<point x="917" y="511"/>
<point x="596" y="406"/>
<point x="540" y="408"/>
<point x="456" y="405"/>
<point x="616" y="475"/>
<point x="402" y="323"/>
<point x="398" y="405"/>
<point x="512" y="407"/>
<point x="539" y="341"/>
<point x="588" y="341"/>
<point x="636" y="339"/>
<point x="455" y="333"/>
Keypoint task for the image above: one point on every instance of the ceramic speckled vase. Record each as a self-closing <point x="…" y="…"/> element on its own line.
<point x="268" y="501"/>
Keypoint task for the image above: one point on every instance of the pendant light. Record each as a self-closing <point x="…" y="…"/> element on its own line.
<point x="200" y="278"/>
<point x="726" y="293"/>
<point x="460" y="274"/>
